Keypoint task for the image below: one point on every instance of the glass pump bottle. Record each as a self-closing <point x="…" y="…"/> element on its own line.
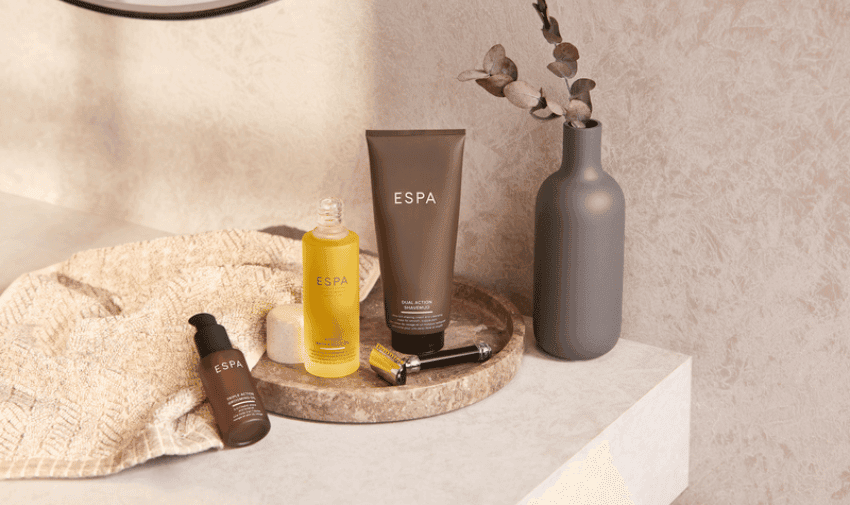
<point x="235" y="402"/>
<point x="331" y="295"/>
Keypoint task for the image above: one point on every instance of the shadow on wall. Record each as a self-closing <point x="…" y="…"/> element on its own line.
<point x="241" y="120"/>
<point x="99" y="147"/>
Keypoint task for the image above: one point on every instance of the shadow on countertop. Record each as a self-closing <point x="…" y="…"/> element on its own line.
<point x="285" y="231"/>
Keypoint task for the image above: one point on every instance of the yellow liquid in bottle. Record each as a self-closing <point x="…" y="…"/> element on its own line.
<point x="331" y="298"/>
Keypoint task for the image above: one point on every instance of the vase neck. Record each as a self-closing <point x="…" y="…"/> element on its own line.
<point x="582" y="147"/>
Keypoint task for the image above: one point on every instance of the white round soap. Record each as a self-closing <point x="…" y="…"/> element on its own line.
<point x="285" y="333"/>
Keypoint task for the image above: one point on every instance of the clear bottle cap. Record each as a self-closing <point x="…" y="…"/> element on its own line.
<point x="330" y="212"/>
<point x="330" y="219"/>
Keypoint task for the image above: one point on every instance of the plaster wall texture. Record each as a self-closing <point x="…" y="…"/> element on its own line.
<point x="726" y="122"/>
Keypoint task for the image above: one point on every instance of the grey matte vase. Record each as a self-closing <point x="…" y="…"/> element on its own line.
<point x="579" y="229"/>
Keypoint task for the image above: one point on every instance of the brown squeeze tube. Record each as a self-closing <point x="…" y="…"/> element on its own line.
<point x="416" y="178"/>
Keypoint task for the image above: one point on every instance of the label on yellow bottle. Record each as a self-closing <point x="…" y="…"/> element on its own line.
<point x="331" y="297"/>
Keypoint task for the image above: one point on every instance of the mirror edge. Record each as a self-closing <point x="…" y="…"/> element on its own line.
<point x="198" y="11"/>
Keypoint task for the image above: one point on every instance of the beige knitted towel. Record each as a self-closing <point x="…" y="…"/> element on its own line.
<point x="98" y="367"/>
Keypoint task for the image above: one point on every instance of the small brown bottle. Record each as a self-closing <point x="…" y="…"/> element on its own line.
<point x="236" y="405"/>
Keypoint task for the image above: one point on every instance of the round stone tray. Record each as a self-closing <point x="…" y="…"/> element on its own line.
<point x="363" y="397"/>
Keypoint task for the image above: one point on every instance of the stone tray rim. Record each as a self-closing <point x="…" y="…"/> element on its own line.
<point x="508" y="358"/>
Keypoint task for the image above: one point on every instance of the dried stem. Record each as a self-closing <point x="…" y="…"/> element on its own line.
<point x="499" y="77"/>
<point x="541" y="9"/>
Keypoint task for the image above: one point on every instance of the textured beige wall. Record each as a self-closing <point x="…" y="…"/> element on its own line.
<point x="727" y="123"/>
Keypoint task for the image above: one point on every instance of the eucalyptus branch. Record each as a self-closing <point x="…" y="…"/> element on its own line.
<point x="499" y="77"/>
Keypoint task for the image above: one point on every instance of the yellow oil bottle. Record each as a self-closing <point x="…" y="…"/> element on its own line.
<point x="331" y="295"/>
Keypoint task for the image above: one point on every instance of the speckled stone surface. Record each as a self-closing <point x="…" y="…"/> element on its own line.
<point x="477" y="315"/>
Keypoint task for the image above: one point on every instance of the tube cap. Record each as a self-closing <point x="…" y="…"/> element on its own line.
<point x="417" y="344"/>
<point x="211" y="337"/>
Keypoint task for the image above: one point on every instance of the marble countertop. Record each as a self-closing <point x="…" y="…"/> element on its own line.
<point x="493" y="452"/>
